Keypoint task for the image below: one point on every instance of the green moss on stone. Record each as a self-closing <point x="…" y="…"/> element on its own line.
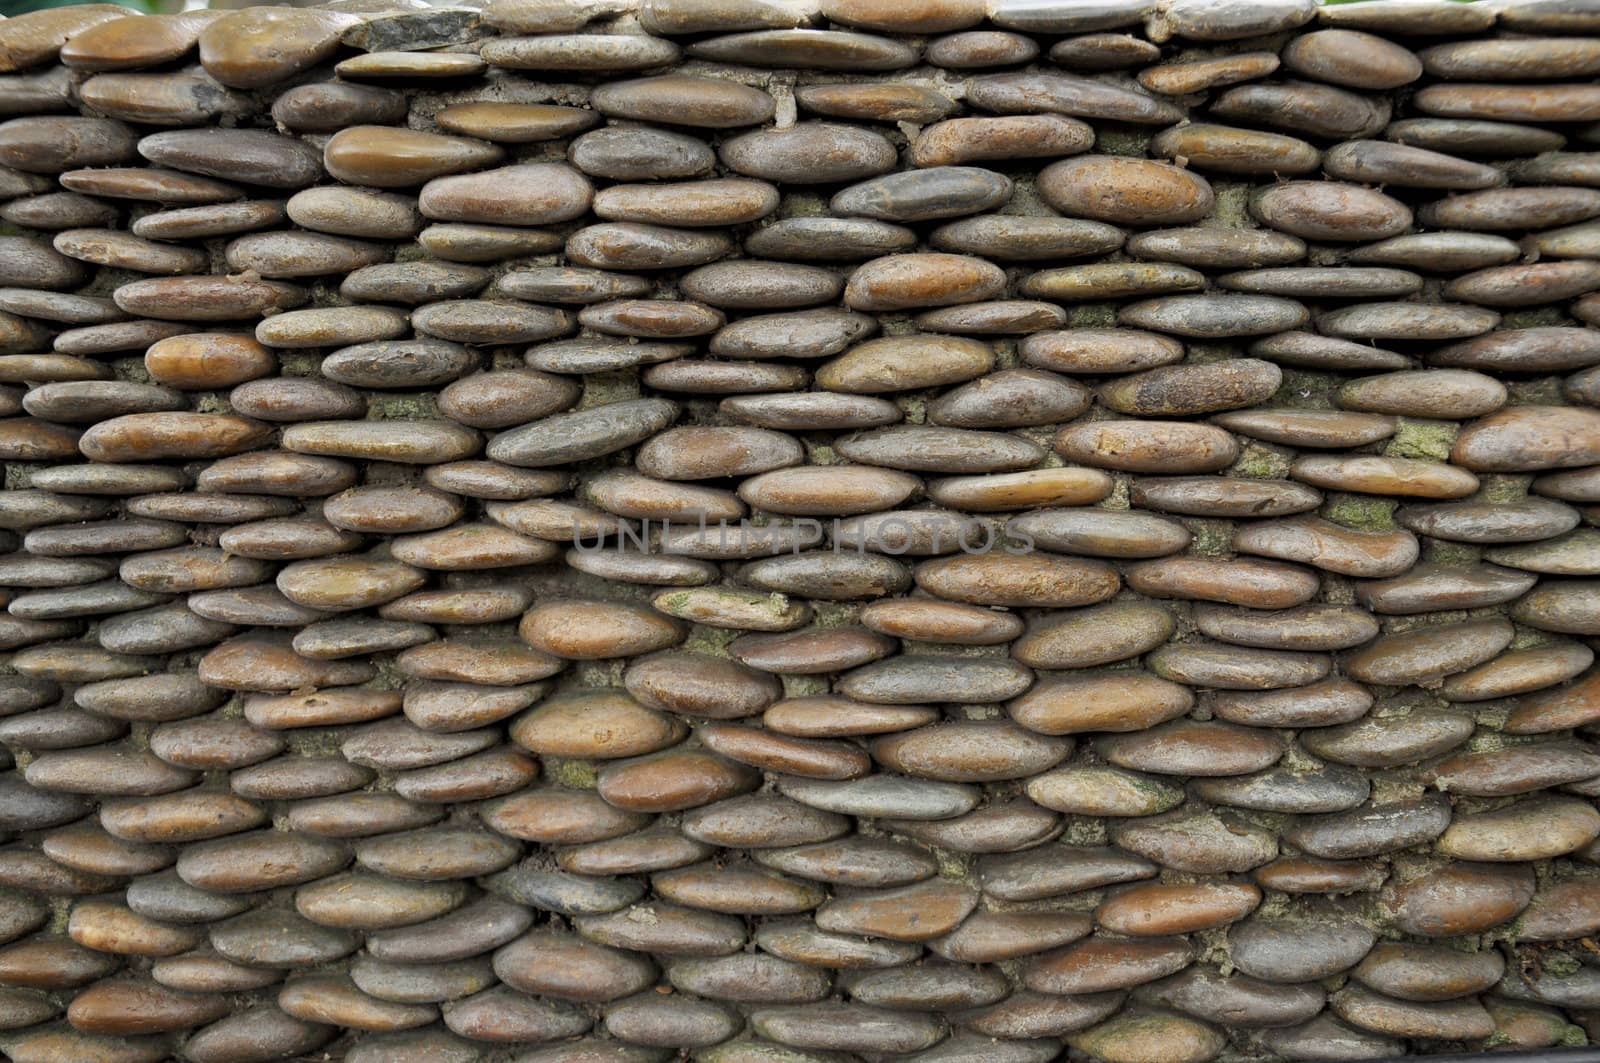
<point x="1121" y="494"/>
<point x="804" y="205"/>
<point x="606" y="673"/>
<point x="1501" y="487"/>
<point x="1367" y="512"/>
<point x="821" y="454"/>
<point x="958" y="867"/>
<point x="1534" y="318"/>
<point x="1122" y="140"/>
<point x="1233" y="206"/>
<point x="833" y="614"/>
<point x="1430" y="440"/>
<point x="713" y="641"/>
<point x="60" y="913"/>
<point x="602" y="389"/>
<point x="1545" y="391"/>
<point x="1559" y="964"/>
<point x="573" y="774"/>
<point x="299" y="363"/>
<point x="801" y="686"/>
<point x="1212" y="538"/>
<point x="130" y="369"/>
<point x="1258" y="462"/>
<point x="1083" y="830"/>
<point x="1439" y="552"/>
<point x="1528" y="638"/>
<point x="1092" y="315"/>
<point x="914" y="406"/>
<point x="317" y="742"/>
<point x="1304" y="390"/>
<point x="416" y="407"/>
<point x="1204" y="353"/>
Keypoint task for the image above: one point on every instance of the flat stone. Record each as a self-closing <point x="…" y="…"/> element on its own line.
<point x="1079" y="97"/>
<point x="807" y="49"/>
<point x="133" y="1006"/>
<point x="1421" y="972"/>
<point x="1227" y="150"/>
<point x="683" y="100"/>
<point x="901" y="282"/>
<point x="254" y="49"/>
<point x="400" y="158"/>
<point x="1320" y="111"/>
<point x="1385" y="162"/>
<point x="1300" y="949"/>
<point x="197" y="298"/>
<point x="1353" y="59"/>
<point x="40" y="39"/>
<point x="259" y="158"/>
<point x="906" y="362"/>
<point x="1117" y="190"/>
<point x="513" y="123"/>
<point x="1530" y="830"/>
<point x="1386" y="741"/>
<point x="1428" y="654"/>
<point x="331" y="106"/>
<point x="1095" y="636"/>
<point x="1461" y="1018"/>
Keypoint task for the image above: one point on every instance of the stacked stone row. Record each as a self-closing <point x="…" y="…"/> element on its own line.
<point x="762" y="530"/>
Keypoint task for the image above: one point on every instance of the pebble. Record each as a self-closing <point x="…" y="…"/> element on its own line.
<point x="1529" y="438"/>
<point x="924" y="195"/>
<point x="1117" y="190"/>
<point x="1319" y="111"/>
<point x="1426" y="973"/>
<point x="1225" y="149"/>
<point x="1519" y="672"/>
<point x="1329" y="211"/>
<point x="1015" y="238"/>
<point x="1331" y="547"/>
<point x="808" y="49"/>
<point x="1066" y="94"/>
<point x="848" y="1028"/>
<point x="1408" y="477"/>
<point x="1353" y="59"/>
<point x="1530" y="830"/>
<point x="1192" y="75"/>
<point x="809" y="153"/>
<point x="260" y="158"/>
<point x="254" y="49"/>
<point x="1101" y="533"/>
<point x="1428" y="654"/>
<point x="963" y="140"/>
<point x="1216" y="316"/>
<point x="1126" y="702"/>
<point x="1447" y="1019"/>
<point x="398" y="158"/>
<point x="1148" y="446"/>
<point x="1457" y="898"/>
<point x="197" y="298"/>
<point x="1382" y="741"/>
<point x="684" y="100"/>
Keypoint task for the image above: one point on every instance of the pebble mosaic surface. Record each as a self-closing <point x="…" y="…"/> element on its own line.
<point x="776" y="530"/>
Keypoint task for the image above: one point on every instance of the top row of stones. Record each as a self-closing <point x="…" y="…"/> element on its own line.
<point x="262" y="46"/>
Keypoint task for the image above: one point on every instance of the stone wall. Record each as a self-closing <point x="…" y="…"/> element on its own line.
<point x="779" y="530"/>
